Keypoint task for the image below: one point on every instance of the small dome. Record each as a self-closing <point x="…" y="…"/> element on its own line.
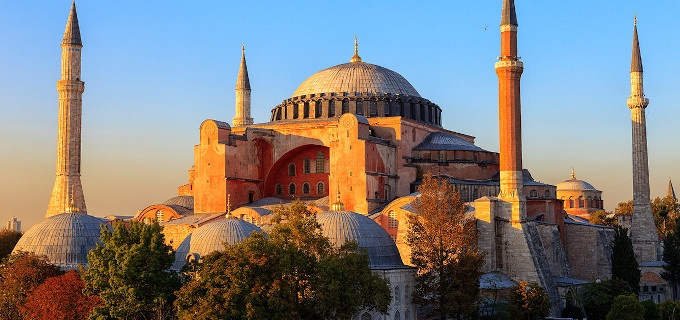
<point x="184" y="201"/>
<point x="340" y="226"/>
<point x="574" y="185"/>
<point x="64" y="238"/>
<point x="212" y="237"/>
<point x="356" y="77"/>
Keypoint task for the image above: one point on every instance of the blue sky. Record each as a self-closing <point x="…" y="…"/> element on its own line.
<point x="154" y="70"/>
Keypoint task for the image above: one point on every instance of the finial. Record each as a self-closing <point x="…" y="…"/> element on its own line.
<point x="572" y="173"/>
<point x="338" y="205"/>
<point x="635" y="19"/>
<point x="72" y="208"/>
<point x="356" y="57"/>
<point x="243" y="47"/>
<point x="228" y="215"/>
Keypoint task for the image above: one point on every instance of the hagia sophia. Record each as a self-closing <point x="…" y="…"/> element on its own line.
<point x="354" y="142"/>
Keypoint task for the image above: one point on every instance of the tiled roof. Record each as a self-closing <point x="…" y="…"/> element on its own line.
<point x="64" y="238"/>
<point x="356" y="77"/>
<point x="636" y="59"/>
<point x="194" y="219"/>
<point x="184" y="201"/>
<point x="446" y="141"/>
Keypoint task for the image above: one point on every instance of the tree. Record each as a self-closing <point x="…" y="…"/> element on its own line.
<point x="8" y="239"/>
<point x="20" y="273"/>
<point x="598" y="297"/>
<point x="624" y="208"/>
<point x="294" y="273"/>
<point x="626" y="307"/>
<point x="669" y="310"/>
<point x="624" y="264"/>
<point x="443" y="243"/>
<point x="665" y="212"/>
<point x="651" y="310"/>
<point x="130" y="273"/>
<point x="528" y="301"/>
<point x="600" y="217"/>
<point x="60" y="298"/>
<point x="671" y="255"/>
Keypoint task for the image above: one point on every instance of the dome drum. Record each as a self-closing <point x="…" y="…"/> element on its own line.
<point x="332" y="105"/>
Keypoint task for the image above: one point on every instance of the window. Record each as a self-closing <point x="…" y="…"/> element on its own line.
<point x="475" y="194"/>
<point x="386" y="108"/>
<point x="285" y="112"/>
<point x="279" y="189"/>
<point x="407" y="314"/>
<point x="307" y="166"/>
<point x="147" y="220"/>
<point x="320" y="165"/>
<point x="373" y="105"/>
<point x="295" y="111"/>
<point x="571" y="202"/>
<point x="533" y="194"/>
<point x="388" y="193"/>
<point x="305" y="112"/>
<point x="407" y="296"/>
<point x="251" y="197"/>
<point x="291" y="189"/>
<point x="160" y="215"/>
<point x="397" y="295"/>
<point x="396" y="315"/>
<point x="360" y="107"/>
<point x="422" y="112"/>
<point x="320" y="188"/>
<point x="291" y="169"/>
<point x="412" y="114"/>
<point x="317" y="108"/>
<point x="392" y="221"/>
<point x="547" y="193"/>
<point x="331" y="108"/>
<point x="345" y="106"/>
<point x="305" y="188"/>
<point x="442" y="156"/>
<point x="580" y="202"/>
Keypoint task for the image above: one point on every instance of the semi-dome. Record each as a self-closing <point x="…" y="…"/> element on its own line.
<point x="574" y="184"/>
<point x="64" y="238"/>
<point x="356" y="77"/>
<point x="184" y="201"/>
<point x="212" y="237"/>
<point x="340" y="226"/>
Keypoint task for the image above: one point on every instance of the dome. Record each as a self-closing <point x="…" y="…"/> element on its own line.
<point x="212" y="237"/>
<point x="356" y="77"/>
<point x="340" y="226"/>
<point x="574" y="184"/>
<point x="446" y="141"/>
<point x="64" y="238"/>
<point x="184" y="201"/>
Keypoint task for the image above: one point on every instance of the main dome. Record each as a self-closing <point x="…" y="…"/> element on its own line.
<point x="356" y="77"/>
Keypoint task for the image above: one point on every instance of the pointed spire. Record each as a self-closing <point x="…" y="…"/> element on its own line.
<point x="670" y="192"/>
<point x="572" y="173"/>
<point x="243" y="82"/>
<point x="509" y="16"/>
<point x="636" y="59"/>
<point x="72" y="32"/>
<point x="356" y="57"/>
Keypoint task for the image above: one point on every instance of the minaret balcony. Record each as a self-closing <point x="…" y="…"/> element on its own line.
<point x="637" y="102"/>
<point x="509" y="63"/>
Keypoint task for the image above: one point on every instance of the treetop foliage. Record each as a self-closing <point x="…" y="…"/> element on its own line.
<point x="60" y="298"/>
<point x="624" y="263"/>
<point x="21" y="273"/>
<point x="8" y="239"/>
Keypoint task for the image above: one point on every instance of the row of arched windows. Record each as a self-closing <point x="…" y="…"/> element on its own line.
<point x="306" y="188"/>
<point x="581" y="203"/>
<point x="307" y="165"/>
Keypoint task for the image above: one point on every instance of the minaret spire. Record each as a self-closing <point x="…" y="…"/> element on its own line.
<point x="242" y="117"/>
<point x="670" y="192"/>
<point x="509" y="15"/>
<point x="356" y="57"/>
<point x="643" y="230"/>
<point x="70" y="90"/>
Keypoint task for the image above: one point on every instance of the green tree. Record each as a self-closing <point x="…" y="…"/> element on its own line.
<point x="600" y="217"/>
<point x="671" y="255"/>
<point x="21" y="273"/>
<point x="443" y="241"/>
<point x="599" y="296"/>
<point x="669" y="310"/>
<point x="624" y="208"/>
<point x="626" y="307"/>
<point x="8" y="239"/>
<point x="665" y="212"/>
<point x="294" y="273"/>
<point x="624" y="264"/>
<point x="130" y="273"/>
<point x="528" y="301"/>
<point x="651" y="310"/>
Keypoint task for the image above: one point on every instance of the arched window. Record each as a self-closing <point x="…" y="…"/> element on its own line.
<point x="285" y="112"/>
<point x="387" y="107"/>
<point x="397" y="295"/>
<point x="401" y="108"/>
<point x="307" y="166"/>
<point x="407" y="296"/>
<point x="331" y="108"/>
<point x="392" y="221"/>
<point x="305" y="188"/>
<point x="279" y="189"/>
<point x="305" y="112"/>
<point x="295" y="111"/>
<point x="373" y="105"/>
<point x="388" y="192"/>
<point x="291" y="169"/>
<point x="396" y="315"/>
<point x="442" y="156"/>
<point x="571" y="202"/>
<point x="320" y="188"/>
<point x="317" y="108"/>
<point x="291" y="189"/>
<point x="547" y="193"/>
<point x="422" y="112"/>
<point x="412" y="114"/>
<point x="580" y="201"/>
<point x="366" y="316"/>
<point x="345" y="106"/>
<point x="360" y="107"/>
<point x="533" y="194"/>
<point x="320" y="162"/>
<point x="407" y="314"/>
<point x="160" y="215"/>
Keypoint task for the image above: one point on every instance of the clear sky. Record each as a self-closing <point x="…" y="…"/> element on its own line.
<point x="154" y="70"/>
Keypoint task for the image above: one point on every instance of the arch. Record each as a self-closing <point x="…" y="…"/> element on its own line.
<point x="589" y="202"/>
<point x="331" y="108"/>
<point x="392" y="221"/>
<point x="296" y="111"/>
<point x="320" y="188"/>
<point x="547" y="193"/>
<point x="291" y="169"/>
<point x="345" y="106"/>
<point x="533" y="193"/>
<point x="279" y="189"/>
<point x="305" y="110"/>
<point x="396" y="315"/>
<point x="373" y="108"/>
<point x="307" y="165"/>
<point x="291" y="189"/>
<point x="412" y="114"/>
<point x="160" y="215"/>
<point x="397" y="295"/>
<point x="305" y="188"/>
<point x="422" y="112"/>
<point x="360" y="107"/>
<point x="580" y="201"/>
<point x="320" y="162"/>
<point x="407" y="314"/>
<point x="387" y="107"/>
<point x="571" y="202"/>
<point x="279" y="171"/>
<point x="401" y="108"/>
<point x="317" y="109"/>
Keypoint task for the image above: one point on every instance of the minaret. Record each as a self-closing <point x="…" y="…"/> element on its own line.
<point x="509" y="70"/>
<point x="70" y="90"/>
<point x="643" y="230"/>
<point x="670" y="192"/>
<point x="242" y="117"/>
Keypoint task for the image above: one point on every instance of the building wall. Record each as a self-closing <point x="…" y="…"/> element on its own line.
<point x="589" y="250"/>
<point x="581" y="202"/>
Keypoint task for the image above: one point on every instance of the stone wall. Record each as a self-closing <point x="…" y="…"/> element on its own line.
<point x="589" y="249"/>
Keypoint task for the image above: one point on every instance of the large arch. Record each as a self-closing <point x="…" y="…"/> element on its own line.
<point x="279" y="172"/>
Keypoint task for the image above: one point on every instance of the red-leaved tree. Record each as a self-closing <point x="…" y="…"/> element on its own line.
<point x="21" y="273"/>
<point x="60" y="298"/>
